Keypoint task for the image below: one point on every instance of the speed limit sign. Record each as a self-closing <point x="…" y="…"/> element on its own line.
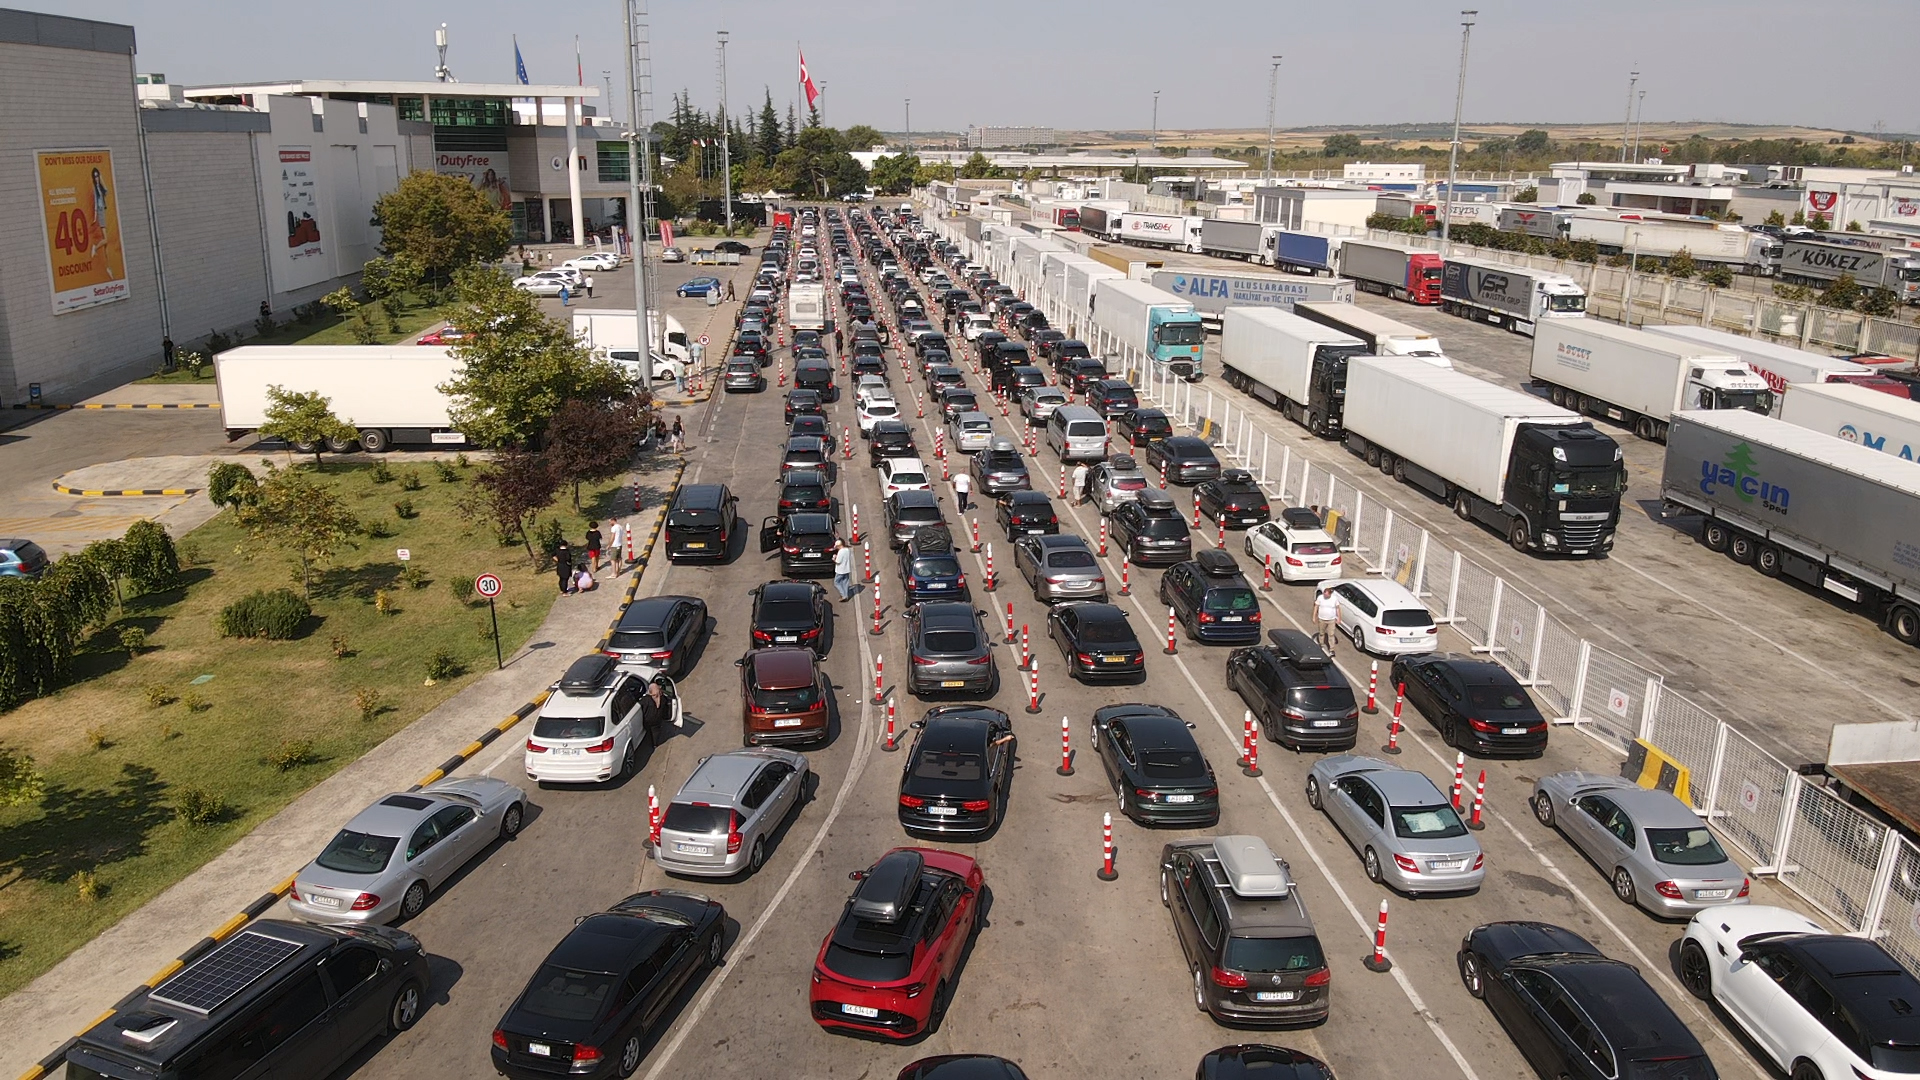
<point x="487" y="585"/>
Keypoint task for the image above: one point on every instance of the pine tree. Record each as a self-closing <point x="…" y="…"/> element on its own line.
<point x="793" y="128"/>
<point x="767" y="145"/>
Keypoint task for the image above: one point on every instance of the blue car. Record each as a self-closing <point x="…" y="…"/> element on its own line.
<point x="699" y="286"/>
<point x="21" y="558"/>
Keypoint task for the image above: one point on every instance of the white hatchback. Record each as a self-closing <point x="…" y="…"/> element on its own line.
<point x="903" y="474"/>
<point x="1383" y="617"/>
<point x="875" y="409"/>
<point x="1299" y="549"/>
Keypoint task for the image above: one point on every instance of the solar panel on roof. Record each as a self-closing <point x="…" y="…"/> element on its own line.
<point x="214" y="979"/>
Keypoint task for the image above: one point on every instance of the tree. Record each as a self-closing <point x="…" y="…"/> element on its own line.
<point x="507" y="493"/>
<point x="594" y="440"/>
<point x="1681" y="265"/>
<point x="896" y="174"/>
<point x="792" y="137"/>
<point x="1854" y="226"/>
<point x="304" y="419"/>
<point x="1719" y="275"/>
<point x="20" y="782"/>
<point x="1843" y="293"/>
<point x="520" y="365"/>
<point x="863" y="137"/>
<point x="927" y="174"/>
<point x="766" y="135"/>
<point x="442" y="223"/>
<point x="1533" y="141"/>
<point x="295" y="513"/>
<point x="387" y="276"/>
<point x="1799" y="218"/>
<point x="1341" y="146"/>
<point x="978" y="167"/>
<point x="1883" y="303"/>
<point x="1819" y="222"/>
<point x="1586" y="198"/>
<point x="1530" y="193"/>
<point x="1776" y="219"/>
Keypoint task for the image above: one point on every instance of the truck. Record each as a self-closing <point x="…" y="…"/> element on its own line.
<point x="1102" y="217"/>
<point x="1084" y="275"/>
<point x="1637" y="379"/>
<point x="1822" y="261"/>
<point x="1161" y="230"/>
<point x="390" y="394"/>
<point x="609" y="332"/>
<point x="1157" y="324"/>
<point x="1401" y="205"/>
<point x="1547" y="223"/>
<point x="1511" y="296"/>
<point x="1780" y="365"/>
<point x="1249" y="240"/>
<point x="1404" y="273"/>
<point x="1541" y="475"/>
<point x="1067" y="217"/>
<point x="1856" y="414"/>
<point x="1791" y="502"/>
<point x="1307" y="253"/>
<point x="1382" y="336"/>
<point x="1213" y="293"/>
<point x="1662" y="238"/>
<point x="1294" y="364"/>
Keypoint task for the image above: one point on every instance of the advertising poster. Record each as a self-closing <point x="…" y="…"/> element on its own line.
<point x="80" y="210"/>
<point x="302" y="204"/>
<point x="486" y="171"/>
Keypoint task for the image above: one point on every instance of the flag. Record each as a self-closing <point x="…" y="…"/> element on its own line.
<point x="806" y="82"/>
<point x="578" y="71"/>
<point x="666" y="233"/>
<point x="519" y="64"/>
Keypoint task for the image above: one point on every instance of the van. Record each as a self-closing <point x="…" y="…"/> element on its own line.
<point x="1077" y="433"/>
<point x="700" y="523"/>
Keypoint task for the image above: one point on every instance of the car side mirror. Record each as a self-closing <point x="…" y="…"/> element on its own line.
<point x="740" y="663"/>
<point x="856" y="875"/>
<point x="918" y="724"/>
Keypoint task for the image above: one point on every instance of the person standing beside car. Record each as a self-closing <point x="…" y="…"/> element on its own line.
<point x="1326" y="617"/>
<point x="843" y="569"/>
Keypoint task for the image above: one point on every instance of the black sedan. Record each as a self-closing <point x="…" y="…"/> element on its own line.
<point x="660" y="632"/>
<point x="1027" y="513"/>
<point x="790" y="613"/>
<point x="1572" y="1011"/>
<point x="1142" y="426"/>
<point x="586" y="1011"/>
<point x="962" y="1067"/>
<point x="1476" y="705"/>
<point x="1111" y="397"/>
<point x="1257" y="1061"/>
<point x="958" y="771"/>
<point x="1183" y="459"/>
<point x="800" y="402"/>
<point x="816" y="425"/>
<point x="1234" y="499"/>
<point x="1156" y="768"/>
<point x="1096" y="643"/>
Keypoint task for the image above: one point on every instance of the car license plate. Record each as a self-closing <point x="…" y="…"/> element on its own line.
<point x="1513" y="731"/>
<point x="786" y="639"/>
<point x="1446" y="864"/>
<point x="1231" y="618"/>
<point x="1113" y="659"/>
<point x="1179" y="798"/>
<point x="1326" y="723"/>
<point x="323" y="901"/>
<point x="542" y="1049"/>
<point x="694" y="849"/>
<point x="568" y="751"/>
<point x="697" y="543"/>
<point x="1713" y="894"/>
<point x="1035" y="532"/>
<point x="937" y="585"/>
<point x="860" y="1010"/>
<point x="789" y="722"/>
<point x="949" y="684"/>
<point x="944" y="811"/>
<point x="1273" y="995"/>
<point x="1410" y="640"/>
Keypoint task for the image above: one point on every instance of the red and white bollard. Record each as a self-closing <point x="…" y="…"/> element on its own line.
<point x="1163" y="478"/>
<point x="1126" y="587"/>
<point x="1033" y="691"/>
<point x="1066" y="749"/>
<point x="1063" y="483"/>
<point x="973" y="525"/>
<point x="1266" y="573"/>
<point x="940" y="442"/>
<point x="1479" y="801"/>
<point x="1026" y="649"/>
<point x="1459" y="779"/>
<point x="866" y="552"/>
<point x="1246" y="736"/>
<point x="891" y="744"/>
<point x="946" y="474"/>
<point x="846" y="442"/>
<point x="1378" y="961"/>
<point x="1011" y="638"/>
<point x="1372" y="707"/>
<point x="919" y="405"/>
<point x="991" y="583"/>
<point x="653" y="818"/>
<point x="879" y="679"/>
<point x="876" y="610"/>
<point x="1220" y="533"/>
<point x="1393" y="726"/>
<point x="855" y="536"/>
<point x="630" y="532"/>
<point x="1107" y="872"/>
<point x="1171" y="648"/>
<point x="1103" y="538"/>
<point x="1196" y="511"/>
<point x="781" y="368"/>
<point x="1251" y="767"/>
<point x="636" y="496"/>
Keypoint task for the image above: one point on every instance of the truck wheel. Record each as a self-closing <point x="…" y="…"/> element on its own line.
<point x="1767" y="560"/>
<point x="1400" y="469"/>
<point x="1373" y="455"/>
<point x="1645" y="427"/>
<point x="1314" y="422"/>
<point x="305" y="447"/>
<point x="1463" y="505"/>
<point x="1904" y="622"/>
<point x="339" y="446"/>
<point x="1519" y="535"/>
<point x="373" y="441"/>
<point x="1388" y="463"/>
<point x="1742" y="549"/>
<point x="1715" y="537"/>
<point x="1557" y="396"/>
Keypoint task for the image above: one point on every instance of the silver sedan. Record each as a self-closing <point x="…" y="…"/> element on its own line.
<point x="724" y="817"/>
<point x="1407" y="833"/>
<point x="381" y="867"/>
<point x="1059" y="567"/>
<point x="1656" y="851"/>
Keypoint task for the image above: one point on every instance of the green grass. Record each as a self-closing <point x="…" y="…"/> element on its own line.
<point x="116" y="766"/>
<point x="418" y="312"/>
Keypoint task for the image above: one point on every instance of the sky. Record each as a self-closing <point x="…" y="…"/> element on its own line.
<point x="1095" y="64"/>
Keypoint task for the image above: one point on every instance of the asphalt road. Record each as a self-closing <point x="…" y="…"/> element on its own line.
<point x="1071" y="976"/>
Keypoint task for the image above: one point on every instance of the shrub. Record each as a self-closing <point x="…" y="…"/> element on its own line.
<point x="379" y="528"/>
<point x="368" y="701"/>
<point x="462" y="587"/>
<point x="414" y="578"/>
<point x="340" y="646"/>
<point x="218" y="342"/>
<point x="132" y="638"/>
<point x="195" y="703"/>
<point x="443" y="665"/>
<point x="547" y="538"/>
<point x="159" y="696"/>
<point x="447" y="473"/>
<point x="291" y="754"/>
<point x="97" y="738"/>
<point x="485" y="629"/>
<point x="149" y="558"/>
<point x="382" y="474"/>
<point x="410" y="480"/>
<point x="405" y="510"/>
<point x="460" y="459"/>
<point x="198" y="807"/>
<point x="86" y="886"/>
<point x="190" y="553"/>
<point x="383" y="602"/>
<point x="230" y="483"/>
<point x="274" y="614"/>
<point x="1719" y="277"/>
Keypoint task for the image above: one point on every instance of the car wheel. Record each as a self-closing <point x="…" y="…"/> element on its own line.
<point x="716" y="949"/>
<point x="511" y="821"/>
<point x="629" y="1057"/>
<point x="1470" y="975"/>
<point x="1806" y="1070"/>
<point x="1199" y="991"/>
<point x="1447" y="731"/>
<point x="405" y="1009"/>
<point x="1694" y="973"/>
<point x="627" y="761"/>
<point x="1370" y="862"/>
<point x="942" y="997"/>
<point x="1313" y="792"/>
<point x="414" y="900"/>
<point x="1359" y="639"/>
<point x="1543" y="808"/>
<point x="1623" y="885"/>
<point x="758" y="857"/>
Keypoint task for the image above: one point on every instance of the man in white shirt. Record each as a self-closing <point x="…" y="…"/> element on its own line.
<point x="843" y="570"/>
<point x="1326" y="614"/>
<point x="1079" y="484"/>
<point x="962" y="488"/>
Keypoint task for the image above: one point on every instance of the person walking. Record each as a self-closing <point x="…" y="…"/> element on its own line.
<point x="839" y="343"/>
<point x="563" y="566"/>
<point x="588" y="283"/>
<point x="1079" y="483"/>
<point x="730" y="294"/>
<point x="619" y="537"/>
<point x="843" y="570"/>
<point x="962" y="488"/>
<point x="1326" y="617"/>
<point x="166" y="352"/>
<point x="679" y="436"/>
<point x="565" y="296"/>
<point x="593" y="544"/>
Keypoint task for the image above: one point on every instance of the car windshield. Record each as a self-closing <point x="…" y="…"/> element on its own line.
<point x="568" y="727"/>
<point x="1273" y="954"/>
<point x="357" y="852"/>
<point x="1231" y="600"/>
<point x="903" y="478"/>
<point x="561" y="994"/>
<point x="1320" y="698"/>
<point x="636" y="639"/>
<point x="1105" y="632"/>
<point x="697" y="818"/>
<point x="786" y="699"/>
<point x="1427" y="822"/>
<point x="786" y="612"/>
<point x="951" y="641"/>
<point x="1173" y="764"/>
<point x="1497" y="697"/>
<point x="1070" y="559"/>
<point x="1406" y="617"/>
<point x="948" y="765"/>
<point x="935" y="566"/>
<point x="1692" y="846"/>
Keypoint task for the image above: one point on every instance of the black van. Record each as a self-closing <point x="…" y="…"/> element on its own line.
<point x="278" y="999"/>
<point x="700" y="523"/>
<point x="816" y="375"/>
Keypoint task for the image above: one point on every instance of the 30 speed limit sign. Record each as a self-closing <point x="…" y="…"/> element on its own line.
<point x="487" y="585"/>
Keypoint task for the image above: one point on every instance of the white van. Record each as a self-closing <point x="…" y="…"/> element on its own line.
<point x="1077" y="433"/>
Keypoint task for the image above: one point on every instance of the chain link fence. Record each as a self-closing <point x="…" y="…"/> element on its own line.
<point x="1833" y="851"/>
<point x="1898" y="927"/>
<point x="1517" y="631"/>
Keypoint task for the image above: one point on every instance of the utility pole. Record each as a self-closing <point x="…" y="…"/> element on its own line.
<point x="909" y="125"/>
<point x="1153" y="140"/>
<point x="1633" y="264"/>
<point x="1633" y="78"/>
<point x="726" y="135"/>
<point x="442" y="73"/>
<point x="1639" y="116"/>
<point x="606" y="76"/>
<point x="1453" y="153"/>
<point x="1273" y="91"/>
<point x="639" y="173"/>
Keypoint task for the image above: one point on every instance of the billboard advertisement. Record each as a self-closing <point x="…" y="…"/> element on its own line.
<point x="299" y="200"/>
<point x="80" y="213"/>
<point x="486" y="171"/>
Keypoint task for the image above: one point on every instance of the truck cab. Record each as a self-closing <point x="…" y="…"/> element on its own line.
<point x="1178" y="339"/>
<point x="1564" y="485"/>
<point x="1734" y="386"/>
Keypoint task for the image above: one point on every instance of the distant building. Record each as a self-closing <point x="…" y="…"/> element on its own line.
<point x="995" y="138"/>
<point x="1368" y="172"/>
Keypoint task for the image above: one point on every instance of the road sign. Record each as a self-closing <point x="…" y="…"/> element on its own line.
<point x="403" y="554"/>
<point x="487" y="585"/>
<point x="703" y="339"/>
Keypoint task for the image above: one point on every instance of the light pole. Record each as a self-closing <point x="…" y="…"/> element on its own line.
<point x="639" y="175"/>
<point x="606" y="76"/>
<point x="909" y="125"/>
<point x="1639" y="116"/>
<point x="1153" y="139"/>
<point x="1626" y="129"/>
<point x="726" y="135"/>
<point x="1453" y="153"/>
<point x="1273" y="91"/>
<point x="1633" y="264"/>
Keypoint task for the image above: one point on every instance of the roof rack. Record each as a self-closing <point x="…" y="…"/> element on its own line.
<point x="1217" y="563"/>
<point x="1300" y="650"/>
<point x="587" y="676"/>
<point x="1301" y="517"/>
<point x="1250" y="867"/>
<point x="887" y="890"/>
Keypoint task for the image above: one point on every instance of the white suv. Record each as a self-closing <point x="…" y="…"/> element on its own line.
<point x="590" y="728"/>
<point x="1382" y="617"/>
<point x="1300" y="548"/>
<point x="899" y="474"/>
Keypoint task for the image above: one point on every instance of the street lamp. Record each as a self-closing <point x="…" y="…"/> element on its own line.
<point x="1453" y="153"/>
<point x="1639" y="116"/>
<point x="726" y="134"/>
<point x="1153" y="140"/>
<point x="1626" y="128"/>
<point x="1273" y="90"/>
<point x="639" y="174"/>
<point x="909" y="125"/>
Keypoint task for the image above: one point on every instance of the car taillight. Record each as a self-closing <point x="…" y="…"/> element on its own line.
<point x="1253" y="616"/>
<point x="813" y="633"/>
<point x="1482" y="725"/>
<point x="1479" y="861"/>
<point x="1085" y="658"/>
<point x="1669" y="890"/>
<point x="975" y="806"/>
<point x="1320" y="978"/>
<point x="1293" y="714"/>
<point x="924" y="660"/>
<point x="366" y="901"/>
<point x="733" y="832"/>
<point x="293" y="892"/>
<point x="791" y="549"/>
<point x="762" y="635"/>
<point x="912" y="802"/>
<point x="604" y="746"/>
<point x="1383" y="630"/>
<point x="1746" y="886"/>
<point x="914" y="990"/>
<point x="1205" y="617"/>
<point x="535" y="748"/>
<point x="960" y="582"/>
<point x="1335" y="561"/>
<point x="1053" y="519"/>
<point x="499" y="1038"/>
<point x="1291" y="561"/>
<point x="585" y="1053"/>
<point x="980" y="660"/>
<point x="1406" y="864"/>
<point x="1229" y="979"/>
<point x="666" y="655"/>
<point x="1150" y="796"/>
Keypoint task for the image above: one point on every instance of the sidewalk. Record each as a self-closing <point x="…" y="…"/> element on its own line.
<point x="39" y="1017"/>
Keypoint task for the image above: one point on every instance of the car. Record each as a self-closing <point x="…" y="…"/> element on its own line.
<point x="1096" y="643"/>
<point x="999" y="469"/>
<point x="590" y="1006"/>
<point x="1150" y="530"/>
<point x="699" y="286"/>
<point x="590" y="728"/>
<point x="1244" y="930"/>
<point x="908" y="511"/>
<point x="592" y="261"/>
<point x="662" y="632"/>
<point x="733" y="247"/>
<point x="1233" y="499"/>
<point x="949" y="651"/>
<point x="1011" y="380"/>
<point x="873" y="410"/>
<point x="890" y="439"/>
<point x="22" y="558"/>
<point x="816" y="425"/>
<point x="1212" y="600"/>
<point x="729" y="810"/>
<point x="1006" y="355"/>
<point x="1026" y="513"/>
<point x="1115" y="481"/>
<point x="1111" y="397"/>
<point x="1382" y="617"/>
<point x="899" y="474"/>
<point x="1038" y="402"/>
<point x="814" y="373"/>
<point x="1295" y="546"/>
<point x="1408" y="836"/>
<point x="1044" y="340"/>
<point x="1257" y="1061"/>
<point x="977" y="323"/>
<point x="1142" y="426"/>
<point x="785" y="696"/>
<point x="755" y="344"/>
<point x="1183" y="459"/>
<point x="790" y="612"/>
<point x="962" y="1067"/>
<point x="382" y="865"/>
<point x="700" y="523"/>
<point x="955" y="400"/>
<point x="930" y="569"/>
<point x="1475" y="705"/>
<point x="986" y="345"/>
<point x="970" y="432"/>
<point x="1059" y="567"/>
<point x="800" y="402"/>
<point x="806" y="542"/>
<point x="889" y="966"/>
<point x="544" y="283"/>
<point x="809" y="453"/>
<point x="1654" y="849"/>
<point x="933" y="340"/>
<point x="1155" y="767"/>
<point x="1295" y="692"/>
<point x="672" y="255"/>
<point x="1081" y="373"/>
<point x="869" y="363"/>
<point x="807" y="490"/>
<point x="445" y="335"/>
<point x="742" y="373"/>
<point x="255" y="1005"/>
<point x="1816" y="1004"/>
<point x="1573" y="1012"/>
<point x="958" y="773"/>
<point x="1063" y="353"/>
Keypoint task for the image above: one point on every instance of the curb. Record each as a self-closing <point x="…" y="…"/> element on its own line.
<point x="91" y="493"/>
<point x="260" y="906"/>
<point x="171" y="405"/>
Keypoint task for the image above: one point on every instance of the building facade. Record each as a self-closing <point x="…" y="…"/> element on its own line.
<point x="996" y="138"/>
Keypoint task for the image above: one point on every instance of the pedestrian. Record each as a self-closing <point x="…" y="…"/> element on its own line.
<point x="653" y="712"/>
<point x="588" y="283"/>
<point x="1079" y="483"/>
<point x="843" y="569"/>
<point x="565" y="296"/>
<point x="1326" y="616"/>
<point x="563" y="566"/>
<point x="730" y="294"/>
<point x="679" y="436"/>
<point x="963" y="487"/>
<point x="166" y="352"/>
<point x="593" y="544"/>
<point x="839" y="344"/>
<point x="266" y="310"/>
<point x="619" y="538"/>
<point x="583" y="581"/>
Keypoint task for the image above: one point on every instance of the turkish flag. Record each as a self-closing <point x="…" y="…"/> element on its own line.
<point x="806" y="82"/>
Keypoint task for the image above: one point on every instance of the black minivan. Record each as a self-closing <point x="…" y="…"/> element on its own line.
<point x="278" y="999"/>
<point x="700" y="523"/>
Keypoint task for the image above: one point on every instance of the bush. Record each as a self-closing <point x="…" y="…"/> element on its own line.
<point x="231" y="484"/>
<point x="443" y="665"/>
<point x="462" y="587"/>
<point x="1719" y="277"/>
<point x="405" y="510"/>
<point x="218" y="342"/>
<point x="198" y="807"/>
<point x="383" y="602"/>
<point x="133" y="638"/>
<point x="291" y="754"/>
<point x="159" y="696"/>
<point x="379" y="528"/>
<point x="368" y="701"/>
<point x="381" y="473"/>
<point x="410" y="480"/>
<point x="547" y="538"/>
<point x="460" y="459"/>
<point x="149" y="559"/>
<point x="274" y="614"/>
<point x="86" y="885"/>
<point x="447" y="473"/>
<point x="340" y="646"/>
<point x="414" y="578"/>
<point x="195" y="703"/>
<point x="97" y="738"/>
